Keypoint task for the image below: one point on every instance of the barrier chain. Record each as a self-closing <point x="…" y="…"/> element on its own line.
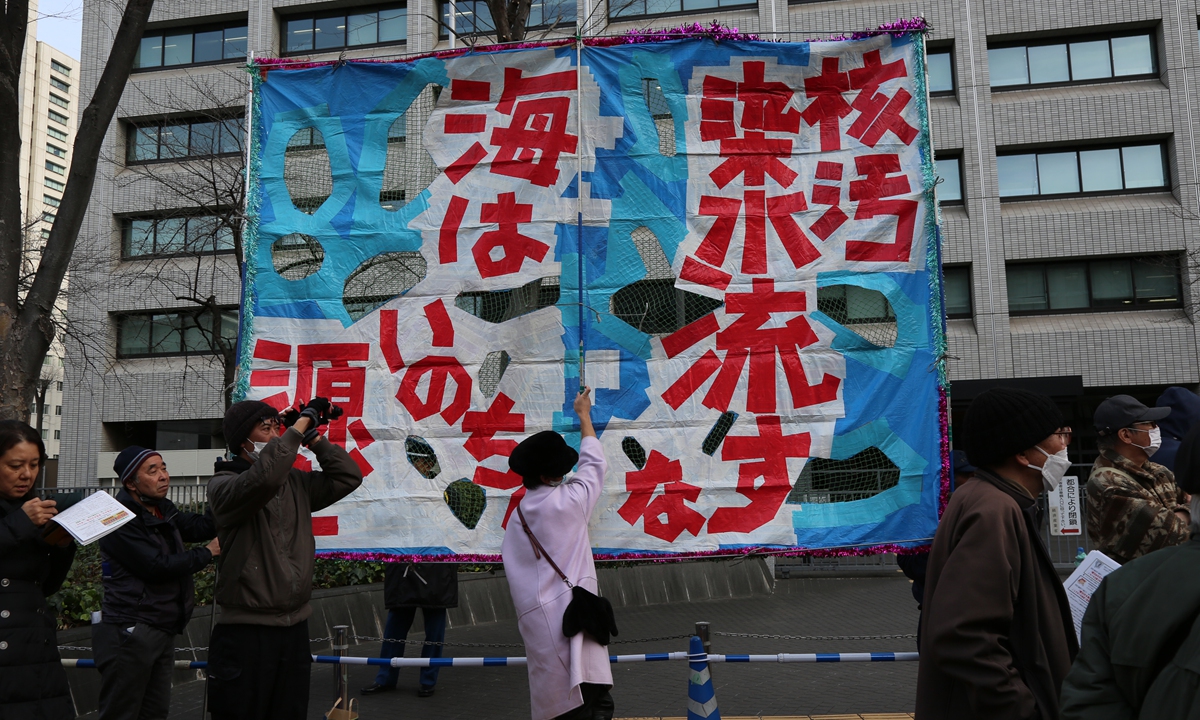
<point x="817" y="637"/>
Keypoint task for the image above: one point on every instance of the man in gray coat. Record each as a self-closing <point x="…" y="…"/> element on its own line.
<point x="259" y="657"/>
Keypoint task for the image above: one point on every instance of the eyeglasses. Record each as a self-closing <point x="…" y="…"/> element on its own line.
<point x="1150" y="425"/>
<point x="1065" y="433"/>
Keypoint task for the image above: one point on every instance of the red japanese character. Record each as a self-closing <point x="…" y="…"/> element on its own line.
<point x="508" y="214"/>
<point x="877" y="112"/>
<point x="824" y="194"/>
<point x="642" y="484"/>
<point x="771" y="448"/>
<point x="482" y="444"/>
<point x="880" y="183"/>
<point x="746" y="339"/>
<point x="828" y="107"/>
<point x="439" y="368"/>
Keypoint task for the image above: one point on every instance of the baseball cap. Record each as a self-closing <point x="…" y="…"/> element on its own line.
<point x="1121" y="411"/>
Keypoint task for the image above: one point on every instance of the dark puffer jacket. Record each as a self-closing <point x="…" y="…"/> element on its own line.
<point x="422" y="585"/>
<point x="148" y="569"/>
<point x="33" y="684"/>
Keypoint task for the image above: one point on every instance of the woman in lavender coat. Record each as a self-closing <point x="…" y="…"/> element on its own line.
<point x="569" y="678"/>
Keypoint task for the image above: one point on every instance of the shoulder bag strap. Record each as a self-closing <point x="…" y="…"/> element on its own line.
<point x="539" y="551"/>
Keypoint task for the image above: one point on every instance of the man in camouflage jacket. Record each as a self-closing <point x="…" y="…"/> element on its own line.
<point x="1133" y="505"/>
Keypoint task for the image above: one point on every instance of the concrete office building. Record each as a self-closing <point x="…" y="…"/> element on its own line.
<point x="49" y="91"/>
<point x="1065" y="134"/>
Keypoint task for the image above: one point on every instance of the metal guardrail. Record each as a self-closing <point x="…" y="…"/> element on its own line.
<point x="186" y="496"/>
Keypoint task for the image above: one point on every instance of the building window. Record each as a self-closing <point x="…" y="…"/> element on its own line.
<point x="956" y="288"/>
<point x="337" y="30"/>
<point x="48" y="216"/>
<point x="949" y="170"/>
<point x="60" y="389"/>
<point x="56" y="133"/>
<point x="474" y="17"/>
<point x="61" y="102"/>
<point x="620" y="9"/>
<point x="941" y="72"/>
<point x="1099" y="171"/>
<point x="1088" y="59"/>
<point x="53" y="184"/>
<point x="174" y="332"/>
<point x="173" y="48"/>
<point x="145" y="237"/>
<point x="59" y="84"/>
<point x="43" y="434"/>
<point x="51" y="200"/>
<point x="178" y="139"/>
<point x="1098" y="284"/>
<point x="55" y="150"/>
<point x="58" y="409"/>
<point x="58" y="117"/>
<point x="58" y="67"/>
<point x="58" y="434"/>
<point x="56" y="168"/>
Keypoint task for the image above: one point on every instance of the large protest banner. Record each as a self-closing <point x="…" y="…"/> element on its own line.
<point x="734" y="243"/>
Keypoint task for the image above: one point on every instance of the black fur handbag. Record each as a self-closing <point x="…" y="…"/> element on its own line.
<point x="587" y="611"/>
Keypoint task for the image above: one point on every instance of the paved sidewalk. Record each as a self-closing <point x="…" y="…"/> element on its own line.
<point x="803" y="606"/>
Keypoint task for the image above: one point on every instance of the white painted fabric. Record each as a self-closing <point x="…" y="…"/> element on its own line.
<point x="559" y="518"/>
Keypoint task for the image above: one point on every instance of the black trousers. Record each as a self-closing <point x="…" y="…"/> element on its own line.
<point x="256" y="672"/>
<point x="135" y="663"/>
<point x="597" y="704"/>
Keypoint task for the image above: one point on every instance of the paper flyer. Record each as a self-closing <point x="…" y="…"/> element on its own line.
<point x="1083" y="584"/>
<point x="93" y="517"/>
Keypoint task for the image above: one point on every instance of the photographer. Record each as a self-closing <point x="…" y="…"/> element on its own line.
<point x="148" y="591"/>
<point x="259" y="656"/>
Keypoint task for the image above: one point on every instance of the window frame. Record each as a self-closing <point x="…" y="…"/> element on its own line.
<point x="957" y="267"/>
<point x="118" y="317"/>
<point x="56" y="66"/>
<point x="745" y="5"/>
<point x="59" y="84"/>
<point x="126" y="227"/>
<point x="945" y="50"/>
<point x="193" y="31"/>
<point x="957" y="156"/>
<point x="62" y="170"/>
<point x="1167" y="185"/>
<point x="1087" y="262"/>
<point x="55" y="115"/>
<point x="344" y="12"/>
<point x="444" y="34"/>
<point x="132" y="127"/>
<point x="1068" y="40"/>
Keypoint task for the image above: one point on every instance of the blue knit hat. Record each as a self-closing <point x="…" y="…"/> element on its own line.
<point x="129" y="460"/>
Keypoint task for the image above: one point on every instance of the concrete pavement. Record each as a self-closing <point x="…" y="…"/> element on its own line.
<point x="857" y="606"/>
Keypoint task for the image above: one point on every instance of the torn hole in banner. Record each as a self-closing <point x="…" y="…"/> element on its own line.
<point x="497" y="306"/>
<point x="719" y="430"/>
<point x="491" y="370"/>
<point x="865" y="312"/>
<point x="863" y="475"/>
<point x="466" y="501"/>
<point x="296" y="256"/>
<point x="660" y="113"/>
<point x="307" y="173"/>
<point x="421" y="456"/>
<point x="380" y="279"/>
<point x="634" y="451"/>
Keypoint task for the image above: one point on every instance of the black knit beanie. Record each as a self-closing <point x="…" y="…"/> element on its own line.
<point x="1002" y="422"/>
<point x="240" y="419"/>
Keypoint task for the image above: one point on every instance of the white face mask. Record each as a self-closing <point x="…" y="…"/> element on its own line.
<point x="258" y="448"/>
<point x="1155" y="442"/>
<point x="1054" y="468"/>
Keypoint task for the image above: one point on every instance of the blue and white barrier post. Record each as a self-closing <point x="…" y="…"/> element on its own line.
<point x="702" y="698"/>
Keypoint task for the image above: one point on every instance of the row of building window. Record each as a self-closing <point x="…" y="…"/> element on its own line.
<point x="178" y="139"/>
<point x="1068" y="286"/>
<point x="174" y="332"/>
<point x="149" y="237"/>
<point x="1092" y="171"/>
<point x="336" y="30"/>
<point x="474" y="17"/>
<point x="191" y="47"/>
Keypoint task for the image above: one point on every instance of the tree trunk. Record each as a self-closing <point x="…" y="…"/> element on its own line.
<point x="26" y="328"/>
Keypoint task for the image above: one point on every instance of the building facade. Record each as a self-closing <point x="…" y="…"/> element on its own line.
<point x="49" y="114"/>
<point x="1064" y="135"/>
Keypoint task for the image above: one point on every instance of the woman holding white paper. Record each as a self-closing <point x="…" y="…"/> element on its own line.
<point x="33" y="683"/>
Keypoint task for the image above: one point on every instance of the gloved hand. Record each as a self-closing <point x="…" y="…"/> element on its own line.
<point x="317" y="410"/>
<point x="290" y="417"/>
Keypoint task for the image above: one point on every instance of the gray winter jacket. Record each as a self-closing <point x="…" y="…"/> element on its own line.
<point x="264" y="522"/>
